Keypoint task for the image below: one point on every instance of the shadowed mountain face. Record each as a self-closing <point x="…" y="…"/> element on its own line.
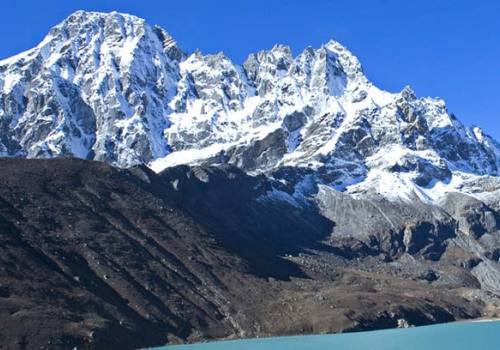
<point x="237" y="209"/>
<point x="94" y="255"/>
<point x="114" y="257"/>
<point x="98" y="257"/>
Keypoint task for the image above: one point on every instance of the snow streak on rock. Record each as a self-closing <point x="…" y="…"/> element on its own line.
<point x="111" y="87"/>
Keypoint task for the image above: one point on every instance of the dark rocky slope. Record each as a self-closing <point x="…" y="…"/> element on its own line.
<point x="101" y="258"/>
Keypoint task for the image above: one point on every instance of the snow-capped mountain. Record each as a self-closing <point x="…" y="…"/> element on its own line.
<point x="354" y="207"/>
<point x="111" y="87"/>
<point x="98" y="86"/>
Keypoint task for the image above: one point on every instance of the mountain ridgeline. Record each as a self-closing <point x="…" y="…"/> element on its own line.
<point x="192" y="198"/>
<point x="110" y="87"/>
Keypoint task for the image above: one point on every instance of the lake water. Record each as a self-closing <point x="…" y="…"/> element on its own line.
<point x="452" y="336"/>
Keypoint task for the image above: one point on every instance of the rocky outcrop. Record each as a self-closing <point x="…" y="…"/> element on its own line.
<point x="385" y="228"/>
<point x="96" y="257"/>
<point x="474" y="216"/>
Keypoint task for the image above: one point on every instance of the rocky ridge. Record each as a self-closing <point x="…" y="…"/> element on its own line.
<point x="111" y="87"/>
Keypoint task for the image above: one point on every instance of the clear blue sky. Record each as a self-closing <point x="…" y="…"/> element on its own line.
<point x="449" y="49"/>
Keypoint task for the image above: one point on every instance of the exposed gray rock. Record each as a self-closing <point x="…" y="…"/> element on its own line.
<point x="388" y="228"/>
<point x="474" y="217"/>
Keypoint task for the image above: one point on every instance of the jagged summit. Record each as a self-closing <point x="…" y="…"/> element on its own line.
<point x="98" y="85"/>
<point x="110" y="87"/>
<point x="82" y="16"/>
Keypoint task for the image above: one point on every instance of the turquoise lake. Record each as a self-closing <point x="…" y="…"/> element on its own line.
<point x="458" y="335"/>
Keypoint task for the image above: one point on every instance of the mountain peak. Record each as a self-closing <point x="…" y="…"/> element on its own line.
<point x="87" y="21"/>
<point x="407" y="93"/>
<point x="115" y="25"/>
<point x="349" y="62"/>
<point x="85" y="16"/>
<point x="110" y="87"/>
<point x="281" y="48"/>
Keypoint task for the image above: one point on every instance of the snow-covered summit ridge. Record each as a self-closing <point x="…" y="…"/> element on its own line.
<point x="97" y="86"/>
<point x="110" y="87"/>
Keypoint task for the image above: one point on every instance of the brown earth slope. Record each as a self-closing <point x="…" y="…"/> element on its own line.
<point x="96" y="257"/>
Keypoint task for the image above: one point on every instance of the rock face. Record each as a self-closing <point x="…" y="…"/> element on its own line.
<point x="387" y="228"/>
<point x="111" y="87"/>
<point x="474" y="217"/>
<point x="97" y="87"/>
